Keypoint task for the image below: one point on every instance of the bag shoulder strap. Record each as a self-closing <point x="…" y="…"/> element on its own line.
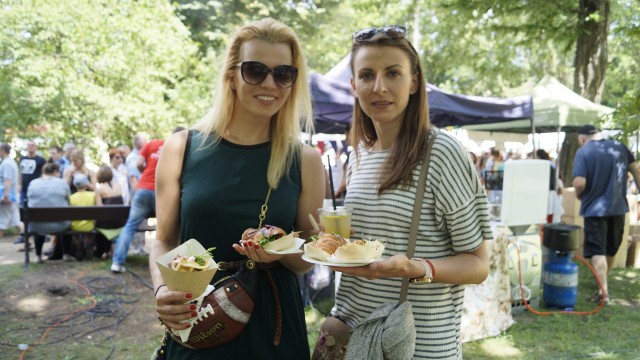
<point x="417" y="207"/>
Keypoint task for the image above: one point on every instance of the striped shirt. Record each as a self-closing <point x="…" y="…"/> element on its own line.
<point x="454" y="218"/>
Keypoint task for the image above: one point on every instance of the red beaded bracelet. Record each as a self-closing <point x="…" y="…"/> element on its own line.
<point x="433" y="269"/>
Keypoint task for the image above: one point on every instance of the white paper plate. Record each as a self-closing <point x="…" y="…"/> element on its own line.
<point x="340" y="264"/>
<point x="334" y="260"/>
<point x="295" y="249"/>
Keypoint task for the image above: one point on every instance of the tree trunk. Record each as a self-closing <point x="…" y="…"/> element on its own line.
<point x="591" y="49"/>
<point x="590" y="68"/>
<point x="565" y="162"/>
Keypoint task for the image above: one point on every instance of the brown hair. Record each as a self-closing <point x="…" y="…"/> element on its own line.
<point x="104" y="174"/>
<point x="50" y="167"/>
<point x="115" y="151"/>
<point x="411" y="144"/>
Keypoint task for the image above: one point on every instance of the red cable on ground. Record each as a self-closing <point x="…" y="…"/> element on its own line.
<point x="88" y="296"/>
<point x="526" y="304"/>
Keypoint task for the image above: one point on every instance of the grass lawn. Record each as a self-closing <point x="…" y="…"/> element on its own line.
<point x="611" y="333"/>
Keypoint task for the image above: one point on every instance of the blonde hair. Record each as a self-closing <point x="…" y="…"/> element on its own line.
<point x="296" y="113"/>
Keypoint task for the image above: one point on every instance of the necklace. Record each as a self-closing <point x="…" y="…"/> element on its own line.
<point x="241" y="141"/>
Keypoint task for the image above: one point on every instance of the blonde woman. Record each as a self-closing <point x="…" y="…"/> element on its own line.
<point x="212" y="187"/>
<point x="78" y="167"/>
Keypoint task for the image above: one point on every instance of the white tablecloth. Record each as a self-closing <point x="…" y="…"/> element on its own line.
<point x="487" y="307"/>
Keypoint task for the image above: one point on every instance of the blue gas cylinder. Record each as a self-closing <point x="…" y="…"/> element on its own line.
<point x="560" y="281"/>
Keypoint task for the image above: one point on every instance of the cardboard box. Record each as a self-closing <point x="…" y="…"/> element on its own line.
<point x="570" y="204"/>
<point x="620" y="260"/>
<point x="633" y="209"/>
<point x="634" y="229"/>
<point x="633" y="255"/>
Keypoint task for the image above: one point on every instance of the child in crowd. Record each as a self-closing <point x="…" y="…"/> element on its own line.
<point x="83" y="243"/>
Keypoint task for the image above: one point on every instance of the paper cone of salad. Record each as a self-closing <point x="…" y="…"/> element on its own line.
<point x="189" y="267"/>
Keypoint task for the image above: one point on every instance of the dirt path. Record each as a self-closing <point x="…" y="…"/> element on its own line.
<point x="75" y="310"/>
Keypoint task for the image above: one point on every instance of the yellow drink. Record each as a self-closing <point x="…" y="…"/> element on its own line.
<point x="336" y="221"/>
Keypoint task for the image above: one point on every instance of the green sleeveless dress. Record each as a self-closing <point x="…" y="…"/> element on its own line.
<point x="223" y="187"/>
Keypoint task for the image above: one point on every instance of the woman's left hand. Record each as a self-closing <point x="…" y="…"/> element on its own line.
<point x="395" y="266"/>
<point x="255" y="252"/>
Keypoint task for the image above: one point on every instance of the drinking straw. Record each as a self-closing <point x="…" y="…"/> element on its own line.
<point x="333" y="193"/>
<point x="314" y="223"/>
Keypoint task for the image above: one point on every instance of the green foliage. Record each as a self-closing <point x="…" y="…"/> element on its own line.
<point x="605" y="334"/>
<point x="211" y="22"/>
<point x="485" y="48"/>
<point x="97" y="72"/>
<point x="622" y="89"/>
<point x="555" y="336"/>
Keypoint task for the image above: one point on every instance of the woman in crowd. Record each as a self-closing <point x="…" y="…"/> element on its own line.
<point x="119" y="173"/>
<point x="245" y="151"/>
<point x="389" y="132"/>
<point x="78" y="167"/>
<point x="110" y="192"/>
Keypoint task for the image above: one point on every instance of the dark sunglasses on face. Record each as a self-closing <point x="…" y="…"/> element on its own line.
<point x="394" y="32"/>
<point x="254" y="73"/>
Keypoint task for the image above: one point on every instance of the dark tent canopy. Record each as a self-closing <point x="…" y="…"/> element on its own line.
<point x="333" y="105"/>
<point x="447" y="109"/>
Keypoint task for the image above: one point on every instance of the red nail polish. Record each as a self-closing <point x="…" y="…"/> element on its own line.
<point x="188" y="325"/>
<point x="188" y="296"/>
<point x="257" y="246"/>
<point x="193" y="307"/>
<point x="250" y="243"/>
<point x="194" y="314"/>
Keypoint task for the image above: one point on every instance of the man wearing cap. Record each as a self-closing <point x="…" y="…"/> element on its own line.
<point x="600" y="171"/>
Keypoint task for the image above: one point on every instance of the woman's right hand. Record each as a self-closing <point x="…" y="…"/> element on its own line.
<point x="171" y="307"/>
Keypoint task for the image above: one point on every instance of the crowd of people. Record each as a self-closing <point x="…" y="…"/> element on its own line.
<point x="65" y="178"/>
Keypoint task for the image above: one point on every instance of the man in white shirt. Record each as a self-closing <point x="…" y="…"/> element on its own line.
<point x="9" y="212"/>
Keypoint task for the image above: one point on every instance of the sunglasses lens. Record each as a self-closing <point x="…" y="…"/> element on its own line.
<point x="364" y="34"/>
<point x="395" y="32"/>
<point x="254" y="72"/>
<point x="285" y="75"/>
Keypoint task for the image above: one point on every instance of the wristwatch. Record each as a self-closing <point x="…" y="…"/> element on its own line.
<point x="424" y="279"/>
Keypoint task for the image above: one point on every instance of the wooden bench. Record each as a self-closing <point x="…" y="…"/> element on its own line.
<point x="70" y="213"/>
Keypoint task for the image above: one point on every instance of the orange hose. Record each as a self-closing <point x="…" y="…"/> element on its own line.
<point x="88" y="296"/>
<point x="526" y="304"/>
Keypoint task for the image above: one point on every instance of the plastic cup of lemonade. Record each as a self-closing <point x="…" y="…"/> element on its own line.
<point x="336" y="221"/>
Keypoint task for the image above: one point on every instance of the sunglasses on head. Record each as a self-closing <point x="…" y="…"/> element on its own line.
<point x="254" y="73"/>
<point x="394" y="32"/>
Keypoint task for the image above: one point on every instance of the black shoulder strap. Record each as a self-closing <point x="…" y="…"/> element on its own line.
<point x="187" y="150"/>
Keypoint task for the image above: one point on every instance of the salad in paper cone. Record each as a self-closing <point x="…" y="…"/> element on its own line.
<point x="189" y="267"/>
<point x="271" y="237"/>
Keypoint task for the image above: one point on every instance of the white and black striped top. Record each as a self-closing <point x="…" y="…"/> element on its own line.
<point x="454" y="219"/>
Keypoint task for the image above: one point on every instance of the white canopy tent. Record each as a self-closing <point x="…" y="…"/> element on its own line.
<point x="555" y="108"/>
